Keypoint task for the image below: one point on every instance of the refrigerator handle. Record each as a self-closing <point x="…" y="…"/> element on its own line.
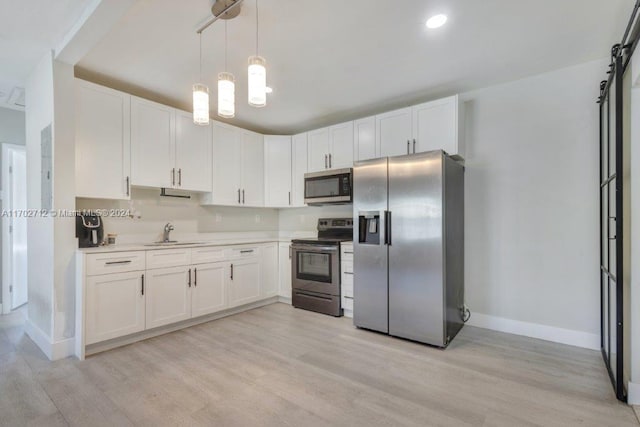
<point x="387" y="228"/>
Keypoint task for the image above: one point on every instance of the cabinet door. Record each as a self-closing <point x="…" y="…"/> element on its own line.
<point x="299" y="162"/>
<point x="277" y="171"/>
<point x="168" y="296"/>
<point x="269" y="285"/>
<point x="284" y="270"/>
<point x="115" y="306"/>
<point x="244" y="286"/>
<point x="152" y="144"/>
<point x="193" y="154"/>
<point x="226" y="165"/>
<point x="209" y="291"/>
<point x="435" y="125"/>
<point x="318" y="150"/>
<point x="103" y="150"/>
<point x="364" y="139"/>
<point x="252" y="169"/>
<point x="394" y="133"/>
<point x="341" y="146"/>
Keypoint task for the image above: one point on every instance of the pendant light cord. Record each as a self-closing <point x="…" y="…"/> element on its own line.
<point x="225" y="45"/>
<point x="200" y="57"/>
<point x="257" y="26"/>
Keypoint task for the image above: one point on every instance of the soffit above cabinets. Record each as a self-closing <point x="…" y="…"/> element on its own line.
<point x="330" y="61"/>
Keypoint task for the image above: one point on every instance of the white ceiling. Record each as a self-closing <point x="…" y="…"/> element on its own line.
<point x="28" y="29"/>
<point x="335" y="60"/>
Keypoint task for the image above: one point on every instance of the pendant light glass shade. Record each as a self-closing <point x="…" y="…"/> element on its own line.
<point x="200" y="104"/>
<point x="226" y="95"/>
<point x="257" y="81"/>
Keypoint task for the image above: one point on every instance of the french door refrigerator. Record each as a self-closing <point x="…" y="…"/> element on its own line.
<point x="409" y="246"/>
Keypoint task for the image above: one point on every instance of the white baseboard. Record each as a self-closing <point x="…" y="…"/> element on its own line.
<point x="285" y="300"/>
<point x="633" y="393"/>
<point x="39" y="338"/>
<point x="62" y="349"/>
<point x="535" y="330"/>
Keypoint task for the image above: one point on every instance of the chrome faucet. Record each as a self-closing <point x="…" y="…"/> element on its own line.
<point x="168" y="228"/>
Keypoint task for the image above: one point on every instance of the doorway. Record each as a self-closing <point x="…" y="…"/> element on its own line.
<point x="14" y="227"/>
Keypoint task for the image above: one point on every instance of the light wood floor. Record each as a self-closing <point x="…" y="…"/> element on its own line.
<point x="281" y="366"/>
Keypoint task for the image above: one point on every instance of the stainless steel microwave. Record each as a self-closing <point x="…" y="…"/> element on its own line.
<point x="328" y="187"/>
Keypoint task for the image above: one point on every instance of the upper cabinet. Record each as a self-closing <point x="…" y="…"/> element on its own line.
<point x="238" y="167"/>
<point x="102" y="142"/>
<point x="435" y="125"/>
<point x="364" y="139"/>
<point x="331" y="147"/>
<point x="277" y="171"/>
<point x="193" y="154"/>
<point x="152" y="144"/>
<point x="167" y="149"/>
<point x="299" y="166"/>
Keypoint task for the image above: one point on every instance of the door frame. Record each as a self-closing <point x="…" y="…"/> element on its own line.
<point x="5" y="307"/>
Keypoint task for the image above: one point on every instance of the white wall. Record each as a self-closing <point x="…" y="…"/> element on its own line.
<point x="40" y="249"/>
<point x="306" y="219"/>
<point x="532" y="245"/>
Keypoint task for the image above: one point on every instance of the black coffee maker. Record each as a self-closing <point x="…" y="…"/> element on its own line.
<point x="89" y="230"/>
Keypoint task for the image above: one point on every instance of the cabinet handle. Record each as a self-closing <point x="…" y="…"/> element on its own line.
<point x="238" y="196"/>
<point x="195" y="277"/>
<point x="128" y="187"/>
<point x="325" y="161"/>
<point x="243" y="196"/>
<point x="231" y="271"/>
<point x="348" y="272"/>
<point x="180" y="177"/>
<point x="247" y="251"/>
<point x="408" y="147"/>
<point x="117" y="262"/>
<point x="189" y="282"/>
<point x="329" y="161"/>
<point x="289" y="252"/>
<point x="142" y="280"/>
<point x="289" y="198"/>
<point x="414" y="146"/>
<point x="173" y="177"/>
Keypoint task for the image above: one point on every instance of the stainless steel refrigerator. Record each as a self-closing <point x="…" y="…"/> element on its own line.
<point x="409" y="246"/>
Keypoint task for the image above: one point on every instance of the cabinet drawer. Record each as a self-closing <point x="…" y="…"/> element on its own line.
<point x="347" y="289"/>
<point x="245" y="252"/>
<point x="120" y="262"/>
<point x="346" y="252"/>
<point x="168" y="258"/>
<point x="347" y="303"/>
<point x="347" y="267"/>
<point x="206" y="255"/>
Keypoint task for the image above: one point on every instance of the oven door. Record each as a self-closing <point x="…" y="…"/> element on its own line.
<point x="316" y="268"/>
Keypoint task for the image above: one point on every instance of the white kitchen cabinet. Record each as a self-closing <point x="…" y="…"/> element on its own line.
<point x="244" y="286"/>
<point x="115" y="306"/>
<point x="209" y="291"/>
<point x="318" y="149"/>
<point x="364" y="139"/>
<point x="168" y="296"/>
<point x="284" y="269"/>
<point x="299" y="162"/>
<point x="238" y="167"/>
<point x="277" y="171"/>
<point x="341" y="146"/>
<point x="269" y="283"/>
<point x="193" y="154"/>
<point x="394" y="132"/>
<point x="152" y="144"/>
<point x="437" y="126"/>
<point x="252" y="167"/>
<point x="103" y="142"/>
<point x="331" y="147"/>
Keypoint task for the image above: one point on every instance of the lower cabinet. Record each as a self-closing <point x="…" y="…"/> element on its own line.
<point x="115" y="306"/>
<point x="168" y="295"/>
<point x="284" y="269"/>
<point x="269" y="283"/>
<point x="244" y="285"/>
<point x="209" y="291"/>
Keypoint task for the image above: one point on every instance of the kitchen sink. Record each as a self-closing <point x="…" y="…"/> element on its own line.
<point x="172" y="243"/>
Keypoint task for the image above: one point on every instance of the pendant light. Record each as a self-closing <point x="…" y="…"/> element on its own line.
<point x="226" y="87"/>
<point x="257" y="75"/>
<point x="200" y="98"/>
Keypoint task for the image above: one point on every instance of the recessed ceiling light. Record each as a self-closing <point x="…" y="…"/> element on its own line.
<point x="268" y="89"/>
<point x="436" y="21"/>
